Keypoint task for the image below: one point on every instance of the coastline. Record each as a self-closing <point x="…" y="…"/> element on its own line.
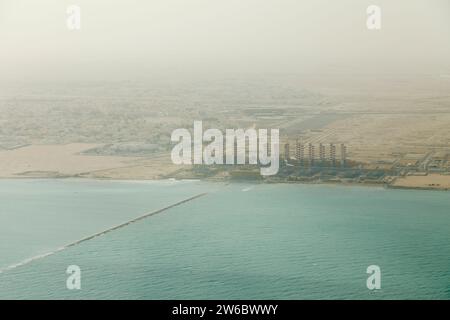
<point x="227" y="181"/>
<point x="70" y="161"/>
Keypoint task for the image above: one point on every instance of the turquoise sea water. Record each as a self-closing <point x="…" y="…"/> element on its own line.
<point x="245" y="241"/>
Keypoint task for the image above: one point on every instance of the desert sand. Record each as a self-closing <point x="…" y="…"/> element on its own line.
<point x="55" y="160"/>
<point x="430" y="181"/>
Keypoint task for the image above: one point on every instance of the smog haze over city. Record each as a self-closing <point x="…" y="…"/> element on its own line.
<point x="92" y="93"/>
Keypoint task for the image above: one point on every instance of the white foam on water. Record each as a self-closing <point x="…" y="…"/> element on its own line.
<point x="44" y="255"/>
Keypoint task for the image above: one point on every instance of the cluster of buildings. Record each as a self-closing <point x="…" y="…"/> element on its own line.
<point x="323" y="155"/>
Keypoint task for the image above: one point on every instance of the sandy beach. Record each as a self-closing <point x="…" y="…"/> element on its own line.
<point x="67" y="160"/>
<point x="430" y="181"/>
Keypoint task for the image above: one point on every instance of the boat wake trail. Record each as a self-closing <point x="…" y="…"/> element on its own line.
<point x="98" y="234"/>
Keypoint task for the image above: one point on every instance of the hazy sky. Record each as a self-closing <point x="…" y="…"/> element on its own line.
<point x="128" y="39"/>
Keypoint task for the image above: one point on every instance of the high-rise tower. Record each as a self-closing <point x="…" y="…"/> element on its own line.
<point x="287" y="156"/>
<point x="311" y="154"/>
<point x="343" y="155"/>
<point x="332" y="154"/>
<point x="322" y="153"/>
<point x="299" y="152"/>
